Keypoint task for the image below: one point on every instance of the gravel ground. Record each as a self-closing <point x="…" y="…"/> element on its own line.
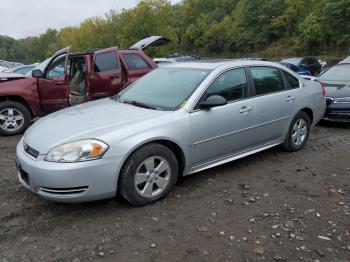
<point x="272" y="206"/>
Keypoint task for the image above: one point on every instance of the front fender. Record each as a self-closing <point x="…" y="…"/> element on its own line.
<point x="176" y="131"/>
<point x="24" y="89"/>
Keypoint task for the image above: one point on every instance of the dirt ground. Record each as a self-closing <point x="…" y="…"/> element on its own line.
<point x="272" y="206"/>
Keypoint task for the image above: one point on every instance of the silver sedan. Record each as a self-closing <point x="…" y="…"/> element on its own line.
<point x="175" y="121"/>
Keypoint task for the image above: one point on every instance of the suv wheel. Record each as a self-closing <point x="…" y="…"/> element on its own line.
<point x="14" y="118"/>
<point x="298" y="133"/>
<point x="148" y="175"/>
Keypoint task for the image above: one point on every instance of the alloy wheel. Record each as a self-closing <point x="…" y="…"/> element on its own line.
<point x="299" y="132"/>
<point x="152" y="177"/>
<point x="11" y="119"/>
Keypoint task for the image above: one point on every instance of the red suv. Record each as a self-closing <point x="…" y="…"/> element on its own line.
<point x="68" y="79"/>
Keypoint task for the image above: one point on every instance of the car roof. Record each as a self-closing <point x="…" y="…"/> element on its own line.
<point x="92" y="51"/>
<point x="213" y="64"/>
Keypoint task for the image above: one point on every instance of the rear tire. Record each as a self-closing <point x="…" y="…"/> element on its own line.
<point x="14" y="118"/>
<point x="298" y="133"/>
<point x="148" y="175"/>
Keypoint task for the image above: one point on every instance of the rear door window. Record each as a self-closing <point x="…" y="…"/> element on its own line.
<point x="136" y="62"/>
<point x="267" y="80"/>
<point x="105" y="62"/>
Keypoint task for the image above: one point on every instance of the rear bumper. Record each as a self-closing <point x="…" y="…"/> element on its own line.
<point x="67" y="182"/>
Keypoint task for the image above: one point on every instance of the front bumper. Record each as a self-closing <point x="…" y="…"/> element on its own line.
<point x="338" y="113"/>
<point x="68" y="182"/>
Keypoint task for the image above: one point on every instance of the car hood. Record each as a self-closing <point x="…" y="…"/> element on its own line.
<point x="10" y="76"/>
<point x="89" y="120"/>
<point x="337" y="88"/>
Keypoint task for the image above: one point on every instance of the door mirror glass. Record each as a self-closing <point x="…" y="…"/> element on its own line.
<point x="213" y="101"/>
<point x="37" y="73"/>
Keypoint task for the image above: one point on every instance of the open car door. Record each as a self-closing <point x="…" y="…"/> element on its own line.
<point x="106" y="76"/>
<point x="150" y="41"/>
<point x="53" y="87"/>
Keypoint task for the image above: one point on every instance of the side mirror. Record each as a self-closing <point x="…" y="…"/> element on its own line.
<point x="303" y="65"/>
<point x="213" y="101"/>
<point x="37" y="73"/>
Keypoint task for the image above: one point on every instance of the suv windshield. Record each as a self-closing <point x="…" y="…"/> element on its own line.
<point x="40" y="66"/>
<point x="336" y="73"/>
<point x="164" y="88"/>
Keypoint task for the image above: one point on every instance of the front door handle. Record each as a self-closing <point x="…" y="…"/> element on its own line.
<point x="245" y="109"/>
<point x="290" y="98"/>
<point x="114" y="76"/>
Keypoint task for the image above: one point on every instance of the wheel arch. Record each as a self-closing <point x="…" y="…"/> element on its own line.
<point x="309" y="112"/>
<point x="18" y="99"/>
<point x="171" y="145"/>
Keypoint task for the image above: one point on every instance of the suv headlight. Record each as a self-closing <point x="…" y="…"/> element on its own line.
<point x="78" y="151"/>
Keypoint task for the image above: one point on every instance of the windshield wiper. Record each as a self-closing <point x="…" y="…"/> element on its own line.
<point x="139" y="104"/>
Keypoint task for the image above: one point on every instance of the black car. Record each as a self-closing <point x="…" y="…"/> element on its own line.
<point x="308" y="63"/>
<point x="337" y="84"/>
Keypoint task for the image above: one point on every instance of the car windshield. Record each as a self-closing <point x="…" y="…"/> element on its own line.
<point x="164" y="88"/>
<point x="40" y="66"/>
<point x="346" y="60"/>
<point x="336" y="73"/>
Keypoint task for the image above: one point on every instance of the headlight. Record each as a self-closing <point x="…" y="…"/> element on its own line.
<point x="77" y="151"/>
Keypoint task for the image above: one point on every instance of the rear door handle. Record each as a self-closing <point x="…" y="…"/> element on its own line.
<point x="290" y="98"/>
<point x="115" y="76"/>
<point x="245" y="109"/>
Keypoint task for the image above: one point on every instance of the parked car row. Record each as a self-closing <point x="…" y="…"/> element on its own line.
<point x="173" y="121"/>
<point x="303" y="65"/>
<point x="13" y="67"/>
<point x="175" y="58"/>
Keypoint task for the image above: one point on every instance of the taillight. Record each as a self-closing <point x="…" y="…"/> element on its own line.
<point x="323" y="89"/>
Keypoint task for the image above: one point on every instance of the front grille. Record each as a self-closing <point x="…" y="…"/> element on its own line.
<point x="64" y="191"/>
<point x="340" y="100"/>
<point x="31" y="151"/>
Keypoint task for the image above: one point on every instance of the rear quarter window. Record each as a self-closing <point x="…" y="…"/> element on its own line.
<point x="292" y="81"/>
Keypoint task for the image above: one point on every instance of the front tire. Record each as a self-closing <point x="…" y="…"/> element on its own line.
<point x="148" y="175"/>
<point x="14" y="118"/>
<point x="298" y="133"/>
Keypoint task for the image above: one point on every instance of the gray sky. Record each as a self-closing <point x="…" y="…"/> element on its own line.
<point x="22" y="18"/>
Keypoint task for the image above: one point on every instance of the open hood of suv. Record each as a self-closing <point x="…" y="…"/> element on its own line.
<point x="150" y="41"/>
